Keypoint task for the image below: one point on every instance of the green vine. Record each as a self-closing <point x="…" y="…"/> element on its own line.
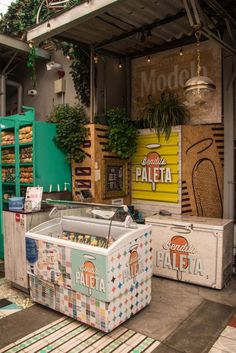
<point x="80" y="70"/>
<point x="31" y="64"/>
<point x="21" y="15"/>
<point x="71" y="131"/>
<point x="122" y="133"/>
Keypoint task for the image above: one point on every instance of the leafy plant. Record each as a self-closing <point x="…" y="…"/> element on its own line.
<point x="31" y="64"/>
<point x="122" y="133"/>
<point x="80" y="70"/>
<point x="162" y="115"/>
<point x="71" y="131"/>
<point x="21" y="15"/>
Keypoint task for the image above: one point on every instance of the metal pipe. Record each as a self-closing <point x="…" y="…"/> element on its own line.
<point x="2" y="95"/>
<point x="20" y="93"/>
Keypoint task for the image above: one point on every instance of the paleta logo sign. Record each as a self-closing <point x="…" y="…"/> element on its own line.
<point x="153" y="170"/>
<point x="88" y="277"/>
<point x="179" y="255"/>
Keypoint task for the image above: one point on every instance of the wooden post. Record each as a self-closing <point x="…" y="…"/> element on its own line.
<point x="229" y="181"/>
<point x="92" y="85"/>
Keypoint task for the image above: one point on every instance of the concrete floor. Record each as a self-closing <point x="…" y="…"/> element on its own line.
<point x="185" y="318"/>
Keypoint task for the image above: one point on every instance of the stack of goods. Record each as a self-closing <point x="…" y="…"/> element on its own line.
<point x="25" y="134"/>
<point x="26" y="154"/>
<point x="26" y="175"/>
<point x="84" y="239"/>
<point x="8" y="174"/>
<point x="7" y="138"/>
<point x="8" y="156"/>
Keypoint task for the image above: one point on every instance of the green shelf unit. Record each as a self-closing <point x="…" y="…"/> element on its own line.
<point x="49" y="165"/>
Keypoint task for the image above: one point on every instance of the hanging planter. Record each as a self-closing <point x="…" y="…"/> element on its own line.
<point x="169" y="111"/>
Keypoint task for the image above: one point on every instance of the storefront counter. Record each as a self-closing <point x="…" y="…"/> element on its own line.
<point x="15" y="225"/>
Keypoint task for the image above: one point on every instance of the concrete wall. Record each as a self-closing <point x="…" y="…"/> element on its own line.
<point x="46" y="98"/>
<point x="110" y="86"/>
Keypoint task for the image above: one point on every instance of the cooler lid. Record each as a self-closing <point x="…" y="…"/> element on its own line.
<point x="197" y="222"/>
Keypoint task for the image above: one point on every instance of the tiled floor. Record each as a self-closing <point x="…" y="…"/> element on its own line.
<point x="8" y="308"/>
<point x="226" y="343"/>
<point x="14" y="295"/>
<point x="67" y="335"/>
<point x="181" y="318"/>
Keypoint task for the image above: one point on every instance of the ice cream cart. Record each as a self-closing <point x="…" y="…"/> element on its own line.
<point x="91" y="262"/>
<point x="192" y="249"/>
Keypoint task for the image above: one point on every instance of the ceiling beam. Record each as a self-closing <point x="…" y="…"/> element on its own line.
<point x="74" y="16"/>
<point x="220" y="10"/>
<point x="145" y="27"/>
<point x="18" y="45"/>
<point x="185" y="40"/>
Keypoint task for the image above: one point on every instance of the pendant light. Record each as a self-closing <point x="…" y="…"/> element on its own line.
<point x="199" y="89"/>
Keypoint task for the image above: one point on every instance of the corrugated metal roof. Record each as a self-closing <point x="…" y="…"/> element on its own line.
<point x="132" y="15"/>
<point x="124" y="27"/>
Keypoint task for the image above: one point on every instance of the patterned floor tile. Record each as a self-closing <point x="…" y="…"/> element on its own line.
<point x="216" y="350"/>
<point x="70" y="336"/>
<point x="229" y="332"/>
<point x="225" y="344"/>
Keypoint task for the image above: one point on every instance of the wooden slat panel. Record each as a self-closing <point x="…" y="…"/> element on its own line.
<point x="155" y="152"/>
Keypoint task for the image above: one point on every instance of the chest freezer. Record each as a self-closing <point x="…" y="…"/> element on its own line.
<point x="192" y="249"/>
<point x="92" y="263"/>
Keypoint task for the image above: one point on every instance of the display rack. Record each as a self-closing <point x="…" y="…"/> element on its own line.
<point x="29" y="157"/>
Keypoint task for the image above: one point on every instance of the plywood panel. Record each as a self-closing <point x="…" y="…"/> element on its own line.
<point x="202" y="170"/>
<point x="89" y="173"/>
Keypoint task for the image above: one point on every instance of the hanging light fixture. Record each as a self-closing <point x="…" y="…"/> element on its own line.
<point x="199" y="89"/>
<point x="148" y="59"/>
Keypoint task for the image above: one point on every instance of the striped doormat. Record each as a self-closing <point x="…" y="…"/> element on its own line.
<point x="67" y="335"/>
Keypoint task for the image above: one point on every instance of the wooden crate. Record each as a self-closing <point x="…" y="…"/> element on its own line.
<point x="202" y="170"/>
<point x="90" y="174"/>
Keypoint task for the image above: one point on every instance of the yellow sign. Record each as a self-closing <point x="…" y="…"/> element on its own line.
<point x="155" y="169"/>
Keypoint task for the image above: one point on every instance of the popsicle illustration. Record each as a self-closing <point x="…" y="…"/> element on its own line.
<point x="153" y="167"/>
<point x="89" y="270"/>
<point x="133" y="261"/>
<point x="179" y="246"/>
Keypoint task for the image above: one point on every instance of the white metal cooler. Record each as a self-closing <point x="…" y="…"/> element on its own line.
<point x="192" y="249"/>
<point x="95" y="270"/>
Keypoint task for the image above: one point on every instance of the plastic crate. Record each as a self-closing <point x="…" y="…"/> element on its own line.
<point x="16" y="203"/>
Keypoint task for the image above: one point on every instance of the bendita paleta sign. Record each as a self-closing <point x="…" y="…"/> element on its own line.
<point x="170" y="71"/>
<point x="155" y="168"/>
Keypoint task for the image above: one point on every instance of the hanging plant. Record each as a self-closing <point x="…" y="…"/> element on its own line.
<point x="31" y="64"/>
<point x="162" y="115"/>
<point x="71" y="131"/>
<point x="80" y="69"/>
<point x="122" y="133"/>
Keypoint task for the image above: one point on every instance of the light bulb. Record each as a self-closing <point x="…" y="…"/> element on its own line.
<point x="148" y="59"/>
<point x="181" y="52"/>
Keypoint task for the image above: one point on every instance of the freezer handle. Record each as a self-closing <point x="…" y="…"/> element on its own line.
<point x="182" y="230"/>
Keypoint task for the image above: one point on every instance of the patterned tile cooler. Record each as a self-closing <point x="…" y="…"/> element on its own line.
<point x="101" y="287"/>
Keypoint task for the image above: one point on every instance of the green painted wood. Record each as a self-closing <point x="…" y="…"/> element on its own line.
<point x="52" y="166"/>
<point x="49" y="162"/>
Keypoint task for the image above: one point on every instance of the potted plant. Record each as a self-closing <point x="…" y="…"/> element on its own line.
<point x="162" y="115"/>
<point x="71" y="131"/>
<point x="122" y="133"/>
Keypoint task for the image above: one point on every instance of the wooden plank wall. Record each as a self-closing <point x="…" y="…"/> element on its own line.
<point x="165" y="195"/>
<point x="202" y="170"/>
<point x="89" y="173"/>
